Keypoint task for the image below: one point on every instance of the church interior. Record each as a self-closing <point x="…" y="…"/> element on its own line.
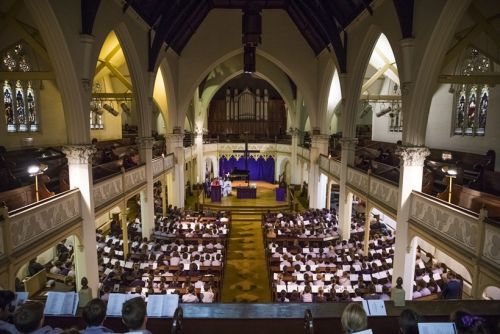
<point x="268" y="162"/>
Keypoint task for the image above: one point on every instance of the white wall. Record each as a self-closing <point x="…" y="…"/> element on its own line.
<point x="450" y="262"/>
<point x="439" y="126"/>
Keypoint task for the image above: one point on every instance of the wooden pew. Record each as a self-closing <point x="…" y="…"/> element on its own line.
<point x="289" y="318"/>
<point x="23" y="196"/>
<point x="487" y="181"/>
<point x="473" y="200"/>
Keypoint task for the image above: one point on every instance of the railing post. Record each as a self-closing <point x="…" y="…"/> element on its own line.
<point x="483" y="214"/>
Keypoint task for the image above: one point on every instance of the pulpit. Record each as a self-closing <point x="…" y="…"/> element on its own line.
<point x="216" y="193"/>
<point x="280" y="194"/>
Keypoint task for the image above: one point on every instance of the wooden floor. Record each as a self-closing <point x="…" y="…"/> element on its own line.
<point x="265" y="197"/>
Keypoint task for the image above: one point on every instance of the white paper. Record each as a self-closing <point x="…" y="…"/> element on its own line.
<point x="366" y="331"/>
<point x="162" y="305"/>
<point x="436" y="328"/>
<point x="21" y="297"/>
<point x="61" y="303"/>
<point x="377" y="307"/>
<point x="115" y="303"/>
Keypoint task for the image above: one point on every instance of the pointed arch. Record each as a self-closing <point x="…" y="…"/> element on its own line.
<point x="72" y="90"/>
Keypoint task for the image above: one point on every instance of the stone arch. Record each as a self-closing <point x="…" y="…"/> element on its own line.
<point x="415" y="125"/>
<point x="282" y="165"/>
<point x="170" y="92"/>
<point x="71" y="87"/>
<point x="326" y="80"/>
<point x="464" y="262"/>
<point x="307" y="93"/>
<point x="140" y="84"/>
<point x="361" y="63"/>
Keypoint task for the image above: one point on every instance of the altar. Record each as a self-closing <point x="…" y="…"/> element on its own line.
<point x="246" y="192"/>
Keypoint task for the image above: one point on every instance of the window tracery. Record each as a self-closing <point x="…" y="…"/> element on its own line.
<point x="471" y="100"/>
<point x="19" y="97"/>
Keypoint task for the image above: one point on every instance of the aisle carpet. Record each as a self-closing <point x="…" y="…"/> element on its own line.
<point x="246" y="276"/>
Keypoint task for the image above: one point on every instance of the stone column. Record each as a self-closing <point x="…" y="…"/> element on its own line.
<point x="410" y="178"/>
<point x="328" y="194"/>
<point x="80" y="176"/>
<point x="319" y="145"/>
<point x="345" y="197"/>
<point x="200" y="169"/>
<point x="176" y="185"/>
<point x="124" y="224"/>
<point x="163" y="196"/>
<point x="147" y="199"/>
<point x="295" y="166"/>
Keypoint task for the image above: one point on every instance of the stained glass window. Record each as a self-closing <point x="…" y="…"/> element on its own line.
<point x="472" y="99"/>
<point x="20" y="107"/>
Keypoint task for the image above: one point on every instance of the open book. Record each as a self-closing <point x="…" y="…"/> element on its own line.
<point x="162" y="305"/>
<point x="437" y="328"/>
<point x="61" y="303"/>
<point x="115" y="303"/>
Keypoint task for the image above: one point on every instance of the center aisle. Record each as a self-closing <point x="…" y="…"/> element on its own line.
<point x="246" y="276"/>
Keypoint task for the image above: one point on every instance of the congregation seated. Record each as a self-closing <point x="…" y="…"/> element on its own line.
<point x="190" y="255"/>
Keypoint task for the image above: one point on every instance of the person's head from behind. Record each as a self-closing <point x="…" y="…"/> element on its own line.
<point x="468" y="323"/>
<point x="353" y="318"/>
<point x="134" y="313"/>
<point x="94" y="313"/>
<point x="6" y="306"/>
<point x="408" y="321"/>
<point x="29" y="317"/>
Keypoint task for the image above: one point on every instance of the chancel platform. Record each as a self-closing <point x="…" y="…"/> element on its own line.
<point x="265" y="197"/>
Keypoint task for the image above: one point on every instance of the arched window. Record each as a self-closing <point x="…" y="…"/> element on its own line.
<point x="19" y="102"/>
<point x="472" y="99"/>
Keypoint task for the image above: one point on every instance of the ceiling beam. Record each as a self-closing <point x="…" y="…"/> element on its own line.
<point x="489" y="29"/>
<point x="487" y="79"/>
<point x="118" y="75"/>
<point x="375" y="77"/>
<point x="463" y="43"/>
<point x="89" y="11"/>
<point x="386" y="60"/>
<point x="369" y="97"/>
<point x="127" y="96"/>
<point x="34" y="75"/>
<point x="404" y="9"/>
<point x="108" y="58"/>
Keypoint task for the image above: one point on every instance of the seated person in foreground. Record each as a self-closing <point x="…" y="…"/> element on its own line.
<point x="29" y="319"/>
<point x="6" y="309"/>
<point x="134" y="315"/>
<point x="93" y="315"/>
<point x="353" y="318"/>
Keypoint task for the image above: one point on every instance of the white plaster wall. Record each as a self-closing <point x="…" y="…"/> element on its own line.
<point x="439" y="126"/>
<point x="206" y="49"/>
<point x="445" y="258"/>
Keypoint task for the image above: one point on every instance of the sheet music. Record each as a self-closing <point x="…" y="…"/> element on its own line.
<point x="436" y="328"/>
<point x="115" y="303"/>
<point x="162" y="305"/>
<point x="61" y="303"/>
<point x="21" y="297"/>
<point x="376" y="307"/>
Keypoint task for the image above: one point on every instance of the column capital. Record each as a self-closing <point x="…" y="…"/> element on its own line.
<point x="412" y="155"/>
<point x="87" y="38"/>
<point x="348" y="143"/>
<point x="145" y="142"/>
<point x="319" y="138"/>
<point x="79" y="154"/>
<point x="294" y="131"/>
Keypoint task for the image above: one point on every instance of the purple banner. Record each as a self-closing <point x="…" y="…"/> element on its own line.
<point x="260" y="169"/>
